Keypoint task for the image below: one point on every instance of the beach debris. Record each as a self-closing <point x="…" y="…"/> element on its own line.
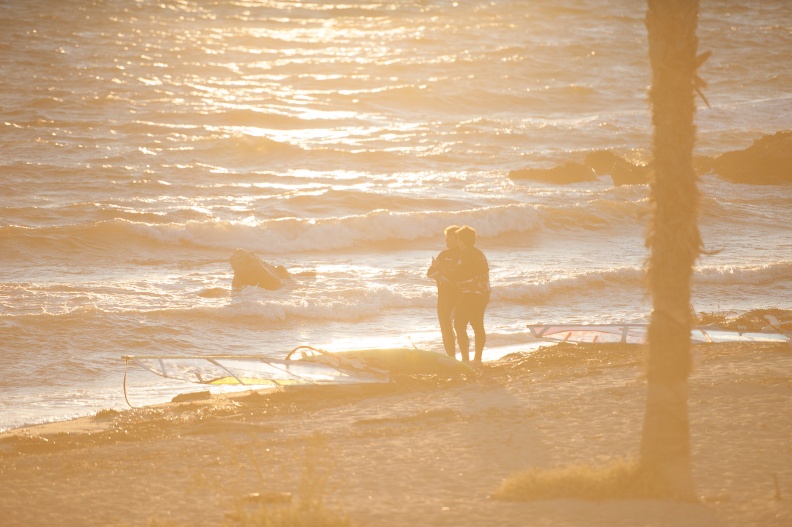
<point x="753" y="320"/>
<point x="192" y="396"/>
<point x="268" y="497"/>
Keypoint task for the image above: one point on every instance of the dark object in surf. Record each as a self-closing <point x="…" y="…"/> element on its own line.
<point x="213" y="292"/>
<point x="766" y="162"/>
<point x="249" y="269"/>
<point x="621" y="171"/>
<point x="624" y="173"/>
<point x="569" y="172"/>
<point x="602" y="161"/>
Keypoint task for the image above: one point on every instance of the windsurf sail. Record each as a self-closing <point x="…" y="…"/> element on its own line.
<point x="249" y="370"/>
<point x="636" y="334"/>
<point x="302" y="366"/>
<point x="782" y="326"/>
<point x="313" y="367"/>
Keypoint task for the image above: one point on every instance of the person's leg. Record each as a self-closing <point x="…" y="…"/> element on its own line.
<point x="445" y="315"/>
<point x="477" y="323"/>
<point x="461" y="320"/>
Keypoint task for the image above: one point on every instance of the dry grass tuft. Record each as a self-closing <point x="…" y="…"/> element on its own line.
<point x="618" y="480"/>
<point x="310" y="510"/>
<point x="294" y="517"/>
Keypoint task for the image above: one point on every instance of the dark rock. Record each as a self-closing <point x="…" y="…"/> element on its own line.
<point x="213" y="292"/>
<point x="249" y="269"/>
<point x="621" y="171"/>
<point x="567" y="173"/>
<point x="624" y="173"/>
<point x="702" y="164"/>
<point x="767" y="162"/>
<point x="602" y="161"/>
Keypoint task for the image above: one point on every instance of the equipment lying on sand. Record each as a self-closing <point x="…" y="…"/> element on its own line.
<point x="636" y="334"/>
<point x="303" y="366"/>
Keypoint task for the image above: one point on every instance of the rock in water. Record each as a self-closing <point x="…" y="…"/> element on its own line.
<point x="625" y="173"/>
<point x="766" y="162"/>
<point x="567" y="173"/>
<point x="602" y="161"/>
<point x="214" y="292"/>
<point x="249" y="269"/>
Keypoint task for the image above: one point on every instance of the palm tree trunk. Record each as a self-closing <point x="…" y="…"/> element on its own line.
<point x="674" y="242"/>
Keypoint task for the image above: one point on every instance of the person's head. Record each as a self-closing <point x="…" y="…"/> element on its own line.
<point x="451" y="235"/>
<point x="466" y="236"/>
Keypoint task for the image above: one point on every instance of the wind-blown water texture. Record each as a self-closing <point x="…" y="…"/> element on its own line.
<point x="142" y="142"/>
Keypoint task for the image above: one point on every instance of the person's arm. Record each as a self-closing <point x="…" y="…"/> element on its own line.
<point x="434" y="269"/>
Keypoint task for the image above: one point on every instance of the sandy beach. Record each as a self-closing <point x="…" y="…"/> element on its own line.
<point x="145" y="144"/>
<point x="422" y="451"/>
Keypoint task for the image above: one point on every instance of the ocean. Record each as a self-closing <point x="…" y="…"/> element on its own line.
<point x="142" y="142"/>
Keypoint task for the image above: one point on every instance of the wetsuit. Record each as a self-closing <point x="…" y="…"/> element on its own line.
<point x="441" y="269"/>
<point x="472" y="279"/>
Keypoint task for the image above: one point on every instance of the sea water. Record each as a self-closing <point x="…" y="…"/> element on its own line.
<point x="142" y="142"/>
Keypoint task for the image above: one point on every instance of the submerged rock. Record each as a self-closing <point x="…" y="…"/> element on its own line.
<point x="602" y="161"/>
<point x="569" y="172"/>
<point x="213" y="292"/>
<point x="249" y="269"/>
<point x="624" y="173"/>
<point x="767" y="162"/>
<point x="598" y="163"/>
<point x="621" y="171"/>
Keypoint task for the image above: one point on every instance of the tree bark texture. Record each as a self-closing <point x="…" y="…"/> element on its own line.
<point x="674" y="242"/>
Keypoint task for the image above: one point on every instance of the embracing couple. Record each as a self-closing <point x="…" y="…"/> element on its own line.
<point x="463" y="291"/>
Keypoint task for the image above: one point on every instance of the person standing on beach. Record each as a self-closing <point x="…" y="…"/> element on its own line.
<point x="441" y="269"/>
<point x="473" y="293"/>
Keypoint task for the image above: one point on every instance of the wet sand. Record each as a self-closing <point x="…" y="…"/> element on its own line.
<point x="421" y="452"/>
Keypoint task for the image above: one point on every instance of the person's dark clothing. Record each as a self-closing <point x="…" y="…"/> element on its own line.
<point x="441" y="270"/>
<point x="472" y="279"/>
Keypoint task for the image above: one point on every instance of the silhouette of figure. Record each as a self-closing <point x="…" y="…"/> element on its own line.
<point x="471" y="277"/>
<point x="441" y="270"/>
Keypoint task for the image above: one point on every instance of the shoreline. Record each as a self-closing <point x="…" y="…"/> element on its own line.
<point x="426" y="451"/>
